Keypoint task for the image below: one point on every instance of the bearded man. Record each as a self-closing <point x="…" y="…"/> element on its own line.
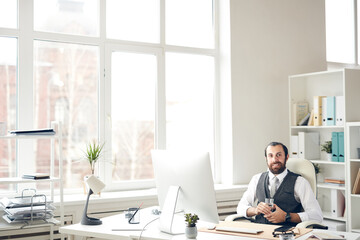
<point x="292" y="197"/>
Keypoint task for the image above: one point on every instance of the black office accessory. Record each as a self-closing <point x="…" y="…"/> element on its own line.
<point x="134" y="214"/>
<point x="283" y="230"/>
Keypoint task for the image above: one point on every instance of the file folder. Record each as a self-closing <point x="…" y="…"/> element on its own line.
<point x="318" y="110"/>
<point x="330" y="111"/>
<point x="294" y="146"/>
<point x="341" y="146"/>
<point x="311" y="119"/>
<point x="323" y="107"/>
<point x="335" y="147"/>
<point x="339" y="110"/>
<point x="309" y="145"/>
<point x="337" y="203"/>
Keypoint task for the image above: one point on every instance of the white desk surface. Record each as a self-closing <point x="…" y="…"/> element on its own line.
<point x="105" y="230"/>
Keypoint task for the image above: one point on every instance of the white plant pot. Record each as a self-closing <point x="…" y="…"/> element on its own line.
<point x="328" y="156"/>
<point x="191" y="232"/>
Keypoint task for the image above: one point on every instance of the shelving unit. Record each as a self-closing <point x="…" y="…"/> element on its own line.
<point x="353" y="140"/>
<point x="55" y="181"/>
<point x="343" y="82"/>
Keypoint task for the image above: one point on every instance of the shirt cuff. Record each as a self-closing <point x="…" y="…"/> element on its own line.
<point x="303" y="216"/>
<point x="243" y="210"/>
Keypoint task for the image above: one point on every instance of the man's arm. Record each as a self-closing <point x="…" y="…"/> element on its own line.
<point x="248" y="199"/>
<point x="305" y="195"/>
<point x="248" y="205"/>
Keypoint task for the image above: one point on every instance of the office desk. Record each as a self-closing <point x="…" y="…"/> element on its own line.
<point x="151" y="233"/>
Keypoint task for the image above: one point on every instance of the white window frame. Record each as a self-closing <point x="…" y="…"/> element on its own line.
<point x="25" y="95"/>
<point x="159" y="141"/>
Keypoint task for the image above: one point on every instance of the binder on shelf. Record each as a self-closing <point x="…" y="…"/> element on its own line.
<point x="341" y="147"/>
<point x="338" y="148"/>
<point x="330" y="111"/>
<point x="299" y="111"/>
<point x="337" y="203"/>
<point x="323" y="108"/>
<point x="356" y="187"/>
<point x="311" y="119"/>
<point x="335" y="147"/>
<point x="318" y="110"/>
<point x="339" y="110"/>
<point x="309" y="145"/>
<point x="294" y="146"/>
<point x="305" y="120"/>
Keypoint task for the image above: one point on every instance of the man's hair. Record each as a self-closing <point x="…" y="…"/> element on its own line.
<point x="275" y="144"/>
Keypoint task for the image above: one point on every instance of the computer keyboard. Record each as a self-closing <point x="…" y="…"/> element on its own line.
<point x="238" y="230"/>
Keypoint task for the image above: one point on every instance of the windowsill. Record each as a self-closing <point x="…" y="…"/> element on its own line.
<point x="135" y="195"/>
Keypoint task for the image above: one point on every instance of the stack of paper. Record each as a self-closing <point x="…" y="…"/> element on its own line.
<point x="334" y="180"/>
<point x="327" y="236"/>
<point x="27" y="208"/>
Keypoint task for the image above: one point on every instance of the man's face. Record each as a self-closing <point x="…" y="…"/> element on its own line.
<point x="276" y="159"/>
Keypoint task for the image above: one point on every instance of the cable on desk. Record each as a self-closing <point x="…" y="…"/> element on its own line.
<point x="146" y="226"/>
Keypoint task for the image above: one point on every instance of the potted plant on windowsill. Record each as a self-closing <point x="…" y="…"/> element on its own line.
<point x="93" y="153"/>
<point x="190" y="229"/>
<point x="327" y="147"/>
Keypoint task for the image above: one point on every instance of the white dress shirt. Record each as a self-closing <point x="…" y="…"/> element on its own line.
<point x="302" y="193"/>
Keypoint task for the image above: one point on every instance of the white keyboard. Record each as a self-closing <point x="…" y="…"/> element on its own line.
<point x="239" y="230"/>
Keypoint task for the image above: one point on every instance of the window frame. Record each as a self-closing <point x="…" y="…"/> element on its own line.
<point x="25" y="93"/>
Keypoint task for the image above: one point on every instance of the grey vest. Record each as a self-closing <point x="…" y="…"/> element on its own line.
<point x="284" y="196"/>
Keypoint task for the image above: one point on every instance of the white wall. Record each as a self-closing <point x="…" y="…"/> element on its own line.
<point x="270" y="40"/>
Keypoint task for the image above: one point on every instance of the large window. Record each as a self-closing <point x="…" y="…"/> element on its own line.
<point x="133" y="81"/>
<point x="132" y="74"/>
<point x="189" y="101"/>
<point x="342" y="32"/>
<point x="66" y="89"/>
<point x="340" y="41"/>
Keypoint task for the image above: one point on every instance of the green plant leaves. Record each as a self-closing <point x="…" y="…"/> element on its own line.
<point x="93" y="153"/>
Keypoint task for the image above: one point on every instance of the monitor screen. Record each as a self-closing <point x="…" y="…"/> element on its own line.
<point x="191" y="173"/>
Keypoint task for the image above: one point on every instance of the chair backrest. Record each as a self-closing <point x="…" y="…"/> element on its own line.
<point x="305" y="168"/>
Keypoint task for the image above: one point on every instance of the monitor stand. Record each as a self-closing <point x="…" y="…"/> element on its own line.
<point x="169" y="222"/>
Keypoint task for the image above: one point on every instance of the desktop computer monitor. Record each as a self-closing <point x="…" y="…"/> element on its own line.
<point x="184" y="184"/>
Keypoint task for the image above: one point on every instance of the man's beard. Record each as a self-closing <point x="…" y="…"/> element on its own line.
<point x="277" y="170"/>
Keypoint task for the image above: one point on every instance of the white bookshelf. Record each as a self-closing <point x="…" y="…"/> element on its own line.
<point x="55" y="183"/>
<point x="353" y="140"/>
<point x="342" y="82"/>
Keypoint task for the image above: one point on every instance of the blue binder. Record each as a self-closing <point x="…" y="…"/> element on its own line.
<point x="335" y="147"/>
<point x="330" y="111"/>
<point x="341" y="146"/>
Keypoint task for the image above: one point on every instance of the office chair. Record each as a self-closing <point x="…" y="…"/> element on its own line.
<point x="306" y="169"/>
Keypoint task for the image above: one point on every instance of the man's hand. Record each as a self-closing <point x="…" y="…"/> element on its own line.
<point x="260" y="208"/>
<point x="263" y="208"/>
<point x="277" y="216"/>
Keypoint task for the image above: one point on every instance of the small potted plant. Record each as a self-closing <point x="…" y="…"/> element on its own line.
<point x="190" y="229"/>
<point x="327" y="147"/>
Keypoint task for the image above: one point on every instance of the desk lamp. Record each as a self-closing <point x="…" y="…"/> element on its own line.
<point x="95" y="186"/>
